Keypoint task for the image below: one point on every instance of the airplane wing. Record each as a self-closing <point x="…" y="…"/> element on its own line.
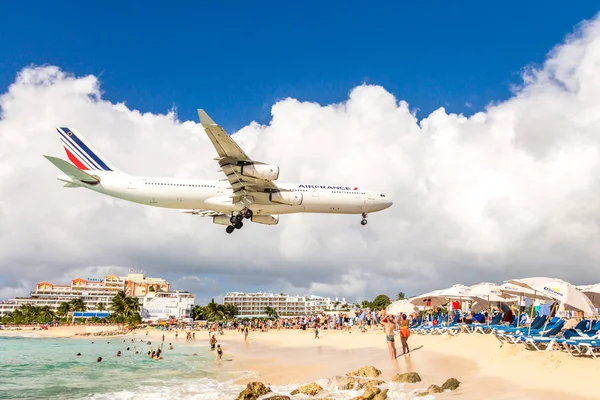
<point x="233" y="160"/>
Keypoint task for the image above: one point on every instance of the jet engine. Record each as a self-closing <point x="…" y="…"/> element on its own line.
<point x="289" y="198"/>
<point x="261" y="171"/>
<point x="266" y="219"/>
<point x="221" y="220"/>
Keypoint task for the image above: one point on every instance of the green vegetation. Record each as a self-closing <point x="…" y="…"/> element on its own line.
<point x="271" y="312"/>
<point x="29" y="314"/>
<point x="123" y="310"/>
<point x="215" y="311"/>
<point x="380" y="302"/>
<point x="400" y="296"/>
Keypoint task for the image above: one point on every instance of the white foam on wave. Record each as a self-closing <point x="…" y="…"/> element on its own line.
<point x="211" y="389"/>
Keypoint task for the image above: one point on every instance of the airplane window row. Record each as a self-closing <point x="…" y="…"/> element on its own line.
<point x="176" y="184"/>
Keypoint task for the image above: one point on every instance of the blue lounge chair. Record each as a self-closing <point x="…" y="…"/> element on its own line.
<point x="545" y="340"/>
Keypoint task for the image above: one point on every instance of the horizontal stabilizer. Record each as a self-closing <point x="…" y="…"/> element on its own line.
<point x="72" y="171"/>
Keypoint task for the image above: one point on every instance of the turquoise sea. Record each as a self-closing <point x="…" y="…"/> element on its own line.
<point x="44" y="368"/>
<point x="34" y="368"/>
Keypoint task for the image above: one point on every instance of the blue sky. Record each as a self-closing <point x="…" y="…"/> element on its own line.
<point x="237" y="58"/>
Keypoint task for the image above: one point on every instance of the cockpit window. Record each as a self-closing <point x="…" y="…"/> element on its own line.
<point x="382" y="195"/>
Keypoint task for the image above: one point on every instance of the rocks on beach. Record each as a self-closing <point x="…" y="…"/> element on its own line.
<point x="360" y="379"/>
<point x="407" y="377"/>
<point x="312" y="389"/>
<point x="253" y="391"/>
<point x="451" y="384"/>
<point x="350" y="382"/>
<point x="367" y="372"/>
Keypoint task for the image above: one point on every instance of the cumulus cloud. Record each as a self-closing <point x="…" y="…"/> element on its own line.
<point x="509" y="192"/>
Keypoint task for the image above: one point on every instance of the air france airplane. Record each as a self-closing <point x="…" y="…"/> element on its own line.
<point x="249" y="190"/>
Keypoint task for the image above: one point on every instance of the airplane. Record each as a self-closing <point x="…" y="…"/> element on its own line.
<point x="249" y="190"/>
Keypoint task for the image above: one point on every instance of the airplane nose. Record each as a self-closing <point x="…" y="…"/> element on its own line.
<point x="387" y="203"/>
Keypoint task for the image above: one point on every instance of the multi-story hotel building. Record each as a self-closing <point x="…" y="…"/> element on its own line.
<point x="255" y="304"/>
<point x="138" y="285"/>
<point x="96" y="293"/>
<point x="158" y="306"/>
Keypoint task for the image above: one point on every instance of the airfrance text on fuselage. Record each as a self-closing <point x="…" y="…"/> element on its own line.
<point x="325" y="187"/>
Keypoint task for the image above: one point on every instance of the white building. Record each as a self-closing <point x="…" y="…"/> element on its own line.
<point x="96" y="293"/>
<point x="167" y="305"/>
<point x="255" y="304"/>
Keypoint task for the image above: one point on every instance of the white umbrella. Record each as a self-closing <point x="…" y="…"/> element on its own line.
<point x="401" y="307"/>
<point x="593" y="292"/>
<point x="490" y="292"/>
<point x="455" y="292"/>
<point x="432" y="299"/>
<point x="511" y="288"/>
<point x="559" y="290"/>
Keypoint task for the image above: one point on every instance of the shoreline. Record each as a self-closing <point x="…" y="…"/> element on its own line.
<point x="294" y="357"/>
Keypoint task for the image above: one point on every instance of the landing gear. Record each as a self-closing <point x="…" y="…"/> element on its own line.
<point x="364" y="221"/>
<point x="236" y="220"/>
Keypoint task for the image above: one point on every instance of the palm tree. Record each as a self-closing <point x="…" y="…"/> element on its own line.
<point x="212" y="310"/>
<point x="400" y="296"/>
<point x="132" y="305"/>
<point x="63" y="309"/>
<point x="118" y="304"/>
<point x="230" y="310"/>
<point x="77" y="304"/>
<point x="271" y="312"/>
<point x="100" y="307"/>
<point x="45" y="314"/>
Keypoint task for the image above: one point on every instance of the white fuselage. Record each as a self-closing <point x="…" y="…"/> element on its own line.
<point x="195" y="194"/>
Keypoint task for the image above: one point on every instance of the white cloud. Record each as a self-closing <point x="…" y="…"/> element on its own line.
<point x="509" y="192"/>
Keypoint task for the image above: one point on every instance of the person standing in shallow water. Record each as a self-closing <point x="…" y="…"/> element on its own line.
<point x="404" y="334"/>
<point x="388" y="329"/>
<point x="219" y="352"/>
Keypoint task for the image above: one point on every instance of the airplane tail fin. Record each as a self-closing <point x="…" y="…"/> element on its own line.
<point x="81" y="153"/>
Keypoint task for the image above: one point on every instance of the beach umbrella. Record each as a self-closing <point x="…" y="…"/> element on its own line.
<point x="430" y="299"/>
<point x="491" y="293"/>
<point x="481" y="305"/>
<point x="455" y="292"/>
<point x="559" y="290"/>
<point x="401" y="307"/>
<point x="511" y="289"/>
<point x="593" y="292"/>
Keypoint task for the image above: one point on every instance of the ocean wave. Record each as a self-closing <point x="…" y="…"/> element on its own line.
<point x="212" y="389"/>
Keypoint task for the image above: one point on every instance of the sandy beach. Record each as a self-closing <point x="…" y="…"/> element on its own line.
<point x="485" y="369"/>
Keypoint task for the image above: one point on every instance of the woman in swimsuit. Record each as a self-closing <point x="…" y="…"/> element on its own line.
<point x="219" y="352"/>
<point x="404" y="334"/>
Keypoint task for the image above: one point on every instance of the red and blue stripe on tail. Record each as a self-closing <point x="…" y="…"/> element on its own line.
<point x="81" y="153"/>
